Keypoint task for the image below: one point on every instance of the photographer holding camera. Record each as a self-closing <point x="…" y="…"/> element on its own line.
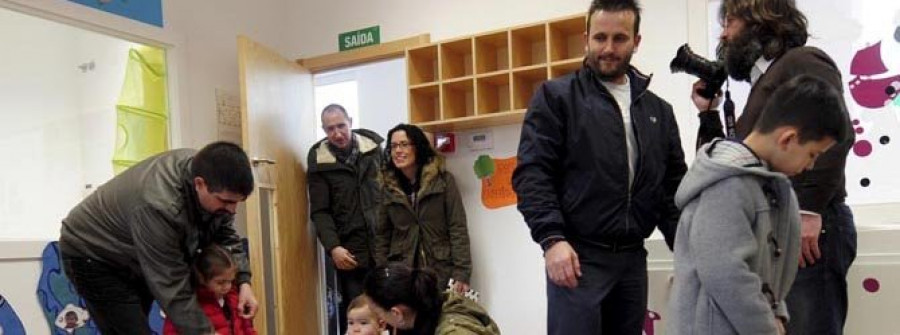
<point x="762" y="42"/>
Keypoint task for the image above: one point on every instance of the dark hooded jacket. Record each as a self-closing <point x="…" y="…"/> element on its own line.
<point x="343" y="198"/>
<point x="432" y="231"/>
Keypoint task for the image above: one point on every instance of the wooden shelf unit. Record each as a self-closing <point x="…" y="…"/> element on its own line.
<point x="567" y="39"/>
<point x="456" y="59"/>
<point x="493" y="93"/>
<point x="488" y="79"/>
<point x="422" y="65"/>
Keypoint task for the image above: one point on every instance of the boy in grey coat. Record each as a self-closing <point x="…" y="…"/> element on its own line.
<point x="738" y="239"/>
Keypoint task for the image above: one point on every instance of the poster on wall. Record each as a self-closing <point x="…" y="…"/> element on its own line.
<point x="228" y="110"/>
<point x="146" y="11"/>
<point x="863" y="39"/>
<point x="496" y="181"/>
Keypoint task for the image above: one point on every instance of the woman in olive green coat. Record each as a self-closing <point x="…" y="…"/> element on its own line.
<point x="422" y="222"/>
<point x="409" y="300"/>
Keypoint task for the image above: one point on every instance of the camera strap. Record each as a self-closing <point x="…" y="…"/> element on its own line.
<point x="728" y="108"/>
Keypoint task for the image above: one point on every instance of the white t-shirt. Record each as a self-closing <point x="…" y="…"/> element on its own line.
<point x="622" y="95"/>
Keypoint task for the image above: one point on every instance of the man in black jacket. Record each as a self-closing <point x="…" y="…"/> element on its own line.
<point x="343" y="192"/>
<point x="599" y="162"/>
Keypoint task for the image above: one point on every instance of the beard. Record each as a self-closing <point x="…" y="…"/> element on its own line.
<point x="739" y="55"/>
<point x="609" y="74"/>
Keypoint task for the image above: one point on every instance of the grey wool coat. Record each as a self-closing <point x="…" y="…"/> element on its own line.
<point x="736" y="246"/>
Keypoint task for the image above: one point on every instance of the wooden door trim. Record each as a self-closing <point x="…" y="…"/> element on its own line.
<point x="363" y="55"/>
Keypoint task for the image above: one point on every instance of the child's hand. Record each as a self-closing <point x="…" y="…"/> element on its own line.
<point x="460" y="287"/>
<point x="779" y="324"/>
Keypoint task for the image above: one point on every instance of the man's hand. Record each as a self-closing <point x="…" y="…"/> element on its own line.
<point x="810" y="228"/>
<point x="247" y="304"/>
<point x="460" y="287"/>
<point x="343" y="259"/>
<point x="563" y="266"/>
<point x="703" y="104"/>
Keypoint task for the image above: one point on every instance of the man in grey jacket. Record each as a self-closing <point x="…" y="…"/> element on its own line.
<point x="134" y="238"/>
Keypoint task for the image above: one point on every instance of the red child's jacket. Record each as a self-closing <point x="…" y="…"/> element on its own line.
<point x="225" y="322"/>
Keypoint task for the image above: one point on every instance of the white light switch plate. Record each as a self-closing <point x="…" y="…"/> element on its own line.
<point x="480" y="140"/>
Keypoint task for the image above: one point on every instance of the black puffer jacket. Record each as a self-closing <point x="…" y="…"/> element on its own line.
<point x="343" y="198"/>
<point x="572" y="173"/>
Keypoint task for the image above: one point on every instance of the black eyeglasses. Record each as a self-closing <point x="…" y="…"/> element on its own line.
<point x="402" y="145"/>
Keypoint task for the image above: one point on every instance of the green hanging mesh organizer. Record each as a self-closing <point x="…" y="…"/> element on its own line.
<point x="142" y="121"/>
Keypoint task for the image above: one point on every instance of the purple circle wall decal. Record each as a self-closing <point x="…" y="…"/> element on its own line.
<point x="862" y="148"/>
<point x="871" y="285"/>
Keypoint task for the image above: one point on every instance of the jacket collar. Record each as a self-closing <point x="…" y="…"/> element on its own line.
<point x="363" y="139"/>
<point x="429" y="184"/>
<point x="639" y="81"/>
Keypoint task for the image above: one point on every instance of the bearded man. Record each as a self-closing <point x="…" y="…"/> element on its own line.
<point x="763" y="42"/>
<point x="599" y="161"/>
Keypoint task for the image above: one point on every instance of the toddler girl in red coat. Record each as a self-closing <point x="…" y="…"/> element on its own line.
<point x="214" y="271"/>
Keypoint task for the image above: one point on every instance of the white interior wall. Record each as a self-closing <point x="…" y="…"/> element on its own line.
<point x="40" y="146"/>
<point x="380" y="84"/>
<point x="210" y="31"/>
<point x="201" y="39"/>
<point x="99" y="90"/>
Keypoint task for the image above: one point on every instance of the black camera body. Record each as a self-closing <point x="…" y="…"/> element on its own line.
<point x="713" y="73"/>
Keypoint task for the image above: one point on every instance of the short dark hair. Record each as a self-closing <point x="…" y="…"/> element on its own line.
<point x="212" y="261"/>
<point x="615" y="6"/>
<point x="225" y="167"/>
<point x="810" y="104"/>
<point x="424" y="152"/>
<point x="333" y="108"/>
<point x="777" y="24"/>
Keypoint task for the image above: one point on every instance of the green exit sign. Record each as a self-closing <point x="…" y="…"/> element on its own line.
<point x="359" y="38"/>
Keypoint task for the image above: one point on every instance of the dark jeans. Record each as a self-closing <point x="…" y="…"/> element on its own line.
<point x="611" y="297"/>
<point x="350" y="285"/>
<point x="117" y="300"/>
<point x="817" y="302"/>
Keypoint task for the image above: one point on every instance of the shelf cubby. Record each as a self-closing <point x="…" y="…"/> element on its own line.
<point x="492" y="52"/>
<point x="488" y="79"/>
<point x="456" y="59"/>
<point x="524" y="83"/>
<point x="458" y="98"/>
<point x="424" y="103"/>
<point x="562" y="68"/>
<point x="529" y="45"/>
<point x="567" y="39"/>
<point x="493" y="93"/>
<point x="422" y="65"/>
